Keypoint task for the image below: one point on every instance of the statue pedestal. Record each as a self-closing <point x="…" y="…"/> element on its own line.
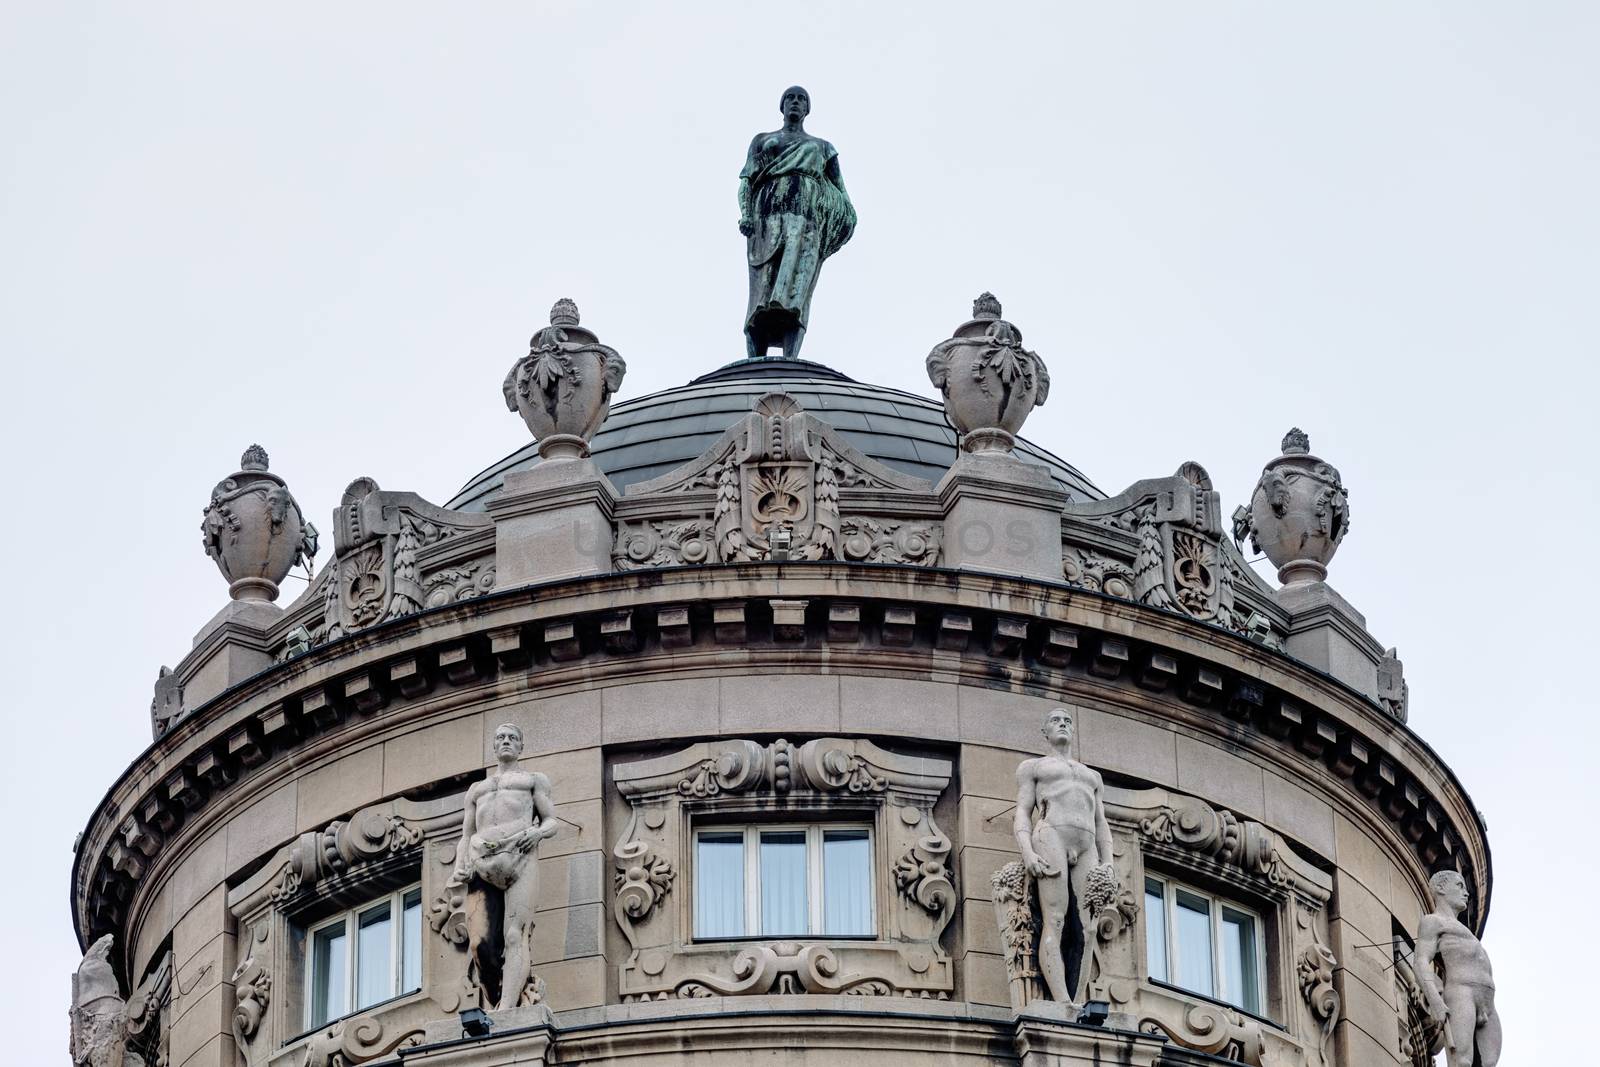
<point x="233" y="646"/>
<point x="551" y="522"/>
<point x="1002" y="515"/>
<point x="1328" y="633"/>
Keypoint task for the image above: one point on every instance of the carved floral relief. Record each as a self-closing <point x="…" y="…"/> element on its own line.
<point x="775" y="486"/>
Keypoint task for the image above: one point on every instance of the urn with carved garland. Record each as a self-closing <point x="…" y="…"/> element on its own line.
<point x="562" y="388"/>
<point x="1298" y="514"/>
<point x="254" y="530"/>
<point x="989" y="381"/>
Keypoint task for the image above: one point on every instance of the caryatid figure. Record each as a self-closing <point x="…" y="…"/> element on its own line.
<point x="1063" y="834"/>
<point x="1465" y="1004"/>
<point x="507" y="815"/>
<point x="794" y="213"/>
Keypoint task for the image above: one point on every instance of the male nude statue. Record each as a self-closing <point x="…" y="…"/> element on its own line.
<point x="507" y="815"/>
<point x="1465" y="1006"/>
<point x="1067" y="840"/>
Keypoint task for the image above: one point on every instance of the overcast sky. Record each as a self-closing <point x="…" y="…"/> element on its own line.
<point x="332" y="228"/>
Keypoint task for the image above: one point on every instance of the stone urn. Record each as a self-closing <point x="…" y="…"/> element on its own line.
<point x="989" y="381"/>
<point x="1298" y="514"/>
<point x="562" y="388"/>
<point x="254" y="530"/>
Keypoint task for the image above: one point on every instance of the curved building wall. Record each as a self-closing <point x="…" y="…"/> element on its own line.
<point x="905" y="697"/>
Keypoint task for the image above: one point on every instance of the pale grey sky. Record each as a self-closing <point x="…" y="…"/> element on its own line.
<point x="332" y="228"/>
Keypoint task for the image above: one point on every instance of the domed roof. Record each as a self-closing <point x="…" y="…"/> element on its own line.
<point x="649" y="436"/>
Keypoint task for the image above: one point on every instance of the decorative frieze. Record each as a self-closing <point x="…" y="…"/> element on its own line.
<point x="882" y="614"/>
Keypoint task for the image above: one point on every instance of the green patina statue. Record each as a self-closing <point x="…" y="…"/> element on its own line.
<point x="795" y="213"/>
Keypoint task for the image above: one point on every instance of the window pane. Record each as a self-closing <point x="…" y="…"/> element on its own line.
<point x="374" y="963"/>
<point x="846" y="883"/>
<point x="1155" y="928"/>
<point x="1194" y="943"/>
<point x="1239" y="960"/>
<point x="327" y="975"/>
<point x="783" y="882"/>
<point x="411" y="942"/>
<point x="719" y="885"/>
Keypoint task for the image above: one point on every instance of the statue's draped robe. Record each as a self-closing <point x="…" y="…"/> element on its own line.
<point x="801" y="216"/>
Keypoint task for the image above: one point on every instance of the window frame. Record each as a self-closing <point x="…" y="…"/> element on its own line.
<point x="1216" y="904"/>
<point x="350" y="919"/>
<point x="815" y="858"/>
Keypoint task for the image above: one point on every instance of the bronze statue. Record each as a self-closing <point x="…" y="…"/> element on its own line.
<point x="795" y="213"/>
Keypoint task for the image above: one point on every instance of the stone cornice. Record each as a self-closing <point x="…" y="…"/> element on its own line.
<point x="1049" y="638"/>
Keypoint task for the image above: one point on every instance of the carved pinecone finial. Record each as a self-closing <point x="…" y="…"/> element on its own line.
<point x="1296" y="442"/>
<point x="565" y="313"/>
<point x="254" y="459"/>
<point x="986" y="307"/>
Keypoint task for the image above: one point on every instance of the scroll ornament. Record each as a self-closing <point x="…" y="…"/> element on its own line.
<point x="356" y="1041"/>
<point x="1220" y="835"/>
<point x="342" y="845"/>
<point x="252" y="991"/>
<point x="1216" y="1031"/>
<point x="924" y="879"/>
<point x="643" y="879"/>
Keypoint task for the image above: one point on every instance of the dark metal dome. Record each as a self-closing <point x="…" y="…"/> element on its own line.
<point x="651" y="435"/>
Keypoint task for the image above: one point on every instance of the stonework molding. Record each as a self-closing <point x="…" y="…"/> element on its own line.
<point x="742" y="779"/>
<point x="854" y="616"/>
<point x="1214" y="1030"/>
<point x="345" y="864"/>
<point x="1219" y="835"/>
<point x="887" y="541"/>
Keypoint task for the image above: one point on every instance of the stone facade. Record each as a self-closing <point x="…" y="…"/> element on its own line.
<point x="785" y="631"/>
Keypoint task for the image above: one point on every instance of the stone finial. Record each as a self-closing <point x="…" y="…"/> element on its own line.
<point x="562" y="388"/>
<point x="989" y="381"/>
<point x="254" y="530"/>
<point x="1298" y="514"/>
<point x="564" y="313"/>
